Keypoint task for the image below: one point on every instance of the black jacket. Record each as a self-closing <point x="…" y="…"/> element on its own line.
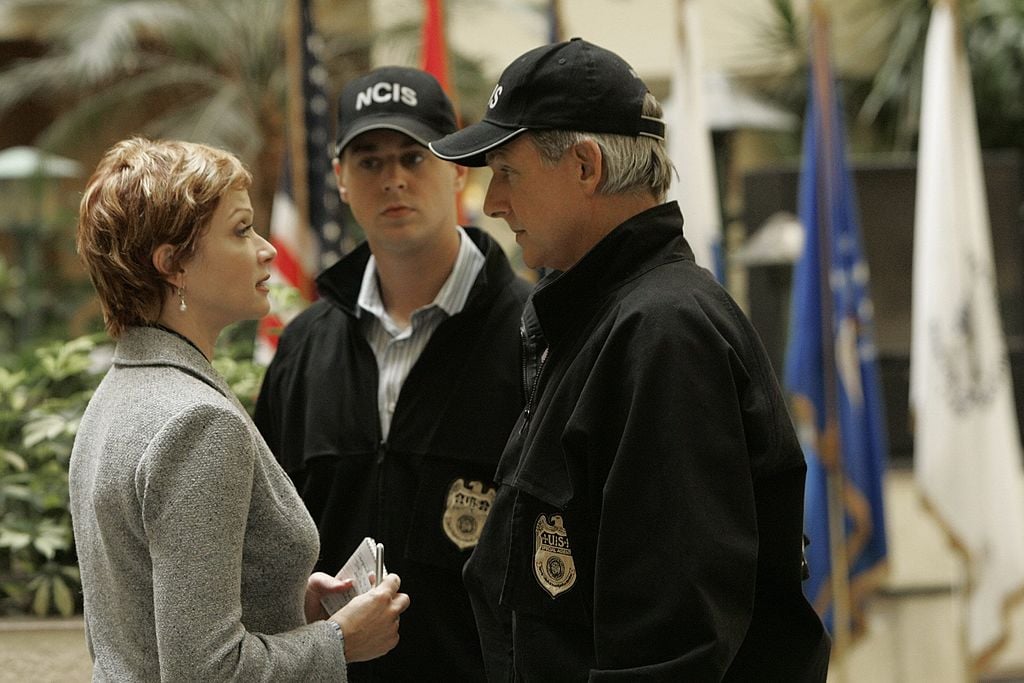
<point x="648" y="523"/>
<point x="318" y="411"/>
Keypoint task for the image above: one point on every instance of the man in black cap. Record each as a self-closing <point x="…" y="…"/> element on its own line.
<point x="648" y="522"/>
<point x="390" y="398"/>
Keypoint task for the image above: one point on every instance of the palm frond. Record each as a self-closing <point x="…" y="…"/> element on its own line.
<point x="106" y="107"/>
<point x="905" y="47"/>
<point x="43" y="77"/>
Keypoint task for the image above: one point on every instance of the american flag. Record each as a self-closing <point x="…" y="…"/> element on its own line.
<point x="305" y="223"/>
<point x="324" y="203"/>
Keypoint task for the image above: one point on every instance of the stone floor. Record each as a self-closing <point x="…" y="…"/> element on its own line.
<point x="42" y="651"/>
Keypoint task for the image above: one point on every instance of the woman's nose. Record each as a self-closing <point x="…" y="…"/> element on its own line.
<point x="268" y="252"/>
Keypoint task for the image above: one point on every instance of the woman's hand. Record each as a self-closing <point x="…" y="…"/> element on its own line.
<point x="318" y="585"/>
<point x="369" y="623"/>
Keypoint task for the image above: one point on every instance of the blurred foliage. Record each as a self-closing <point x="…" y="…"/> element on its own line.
<point x="43" y="394"/>
<point x="40" y="295"/>
<point x="892" y="33"/>
<point x="212" y="72"/>
<point x="42" y="397"/>
<point x="995" y="43"/>
<point x="206" y="71"/>
<point x="233" y="359"/>
<point x="12" y="301"/>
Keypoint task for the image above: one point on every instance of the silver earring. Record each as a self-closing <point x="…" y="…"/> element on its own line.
<point x="182" y="306"/>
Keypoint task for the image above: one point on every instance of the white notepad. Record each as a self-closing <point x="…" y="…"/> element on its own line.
<point x="361" y="564"/>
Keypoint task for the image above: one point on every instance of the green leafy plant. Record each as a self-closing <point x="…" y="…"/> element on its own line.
<point x="41" y="403"/>
<point x="234" y="361"/>
<point x="43" y="393"/>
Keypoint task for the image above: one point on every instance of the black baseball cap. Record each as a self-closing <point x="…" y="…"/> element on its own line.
<point x="399" y="98"/>
<point x="573" y="85"/>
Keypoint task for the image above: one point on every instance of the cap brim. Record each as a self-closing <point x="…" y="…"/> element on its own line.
<point x="414" y="128"/>
<point x="469" y="146"/>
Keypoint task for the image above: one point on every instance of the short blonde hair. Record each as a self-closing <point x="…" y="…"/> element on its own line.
<point x="145" y="193"/>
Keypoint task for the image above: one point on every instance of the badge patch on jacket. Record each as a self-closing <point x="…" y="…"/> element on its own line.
<point x="552" y="558"/>
<point x="466" y="511"/>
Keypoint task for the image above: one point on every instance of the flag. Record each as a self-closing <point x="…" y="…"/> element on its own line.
<point x="434" y="60"/>
<point x="831" y="372"/>
<point x="304" y="224"/>
<point x="689" y="144"/>
<point x="967" y="450"/>
<point x="434" y="56"/>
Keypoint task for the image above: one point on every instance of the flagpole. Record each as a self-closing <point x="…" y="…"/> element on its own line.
<point x="296" y="115"/>
<point x="829" y="447"/>
<point x="556" y="25"/>
<point x="296" y="128"/>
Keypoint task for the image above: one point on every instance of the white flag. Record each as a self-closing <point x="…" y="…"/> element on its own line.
<point x="689" y="144"/>
<point x="967" y="451"/>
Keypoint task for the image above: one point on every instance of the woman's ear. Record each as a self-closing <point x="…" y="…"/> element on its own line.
<point x="165" y="263"/>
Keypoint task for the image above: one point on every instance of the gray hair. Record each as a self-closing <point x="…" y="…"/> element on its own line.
<point x="631" y="164"/>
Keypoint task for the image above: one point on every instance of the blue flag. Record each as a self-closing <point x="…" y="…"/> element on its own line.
<point x="831" y="370"/>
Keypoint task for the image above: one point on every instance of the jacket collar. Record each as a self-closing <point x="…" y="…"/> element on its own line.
<point x="649" y="239"/>
<point x="340" y="283"/>
<point x="150" y="346"/>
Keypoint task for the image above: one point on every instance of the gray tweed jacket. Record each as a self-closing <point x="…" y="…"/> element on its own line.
<point x="194" y="546"/>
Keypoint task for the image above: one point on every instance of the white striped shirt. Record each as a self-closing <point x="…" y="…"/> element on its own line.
<point x="397" y="349"/>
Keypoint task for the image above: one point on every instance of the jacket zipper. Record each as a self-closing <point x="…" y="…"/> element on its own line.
<point x="528" y="411"/>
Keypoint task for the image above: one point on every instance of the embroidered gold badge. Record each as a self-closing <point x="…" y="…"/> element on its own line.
<point x="466" y="511"/>
<point x="552" y="559"/>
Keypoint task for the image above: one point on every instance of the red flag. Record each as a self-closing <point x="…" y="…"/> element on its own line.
<point x="434" y="59"/>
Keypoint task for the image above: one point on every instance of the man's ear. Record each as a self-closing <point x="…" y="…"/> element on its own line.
<point x="342" y="190"/>
<point x="588" y="164"/>
<point x="165" y="263"/>
<point x="461" y="177"/>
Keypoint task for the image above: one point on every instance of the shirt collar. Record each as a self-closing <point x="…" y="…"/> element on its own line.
<point x="454" y="292"/>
